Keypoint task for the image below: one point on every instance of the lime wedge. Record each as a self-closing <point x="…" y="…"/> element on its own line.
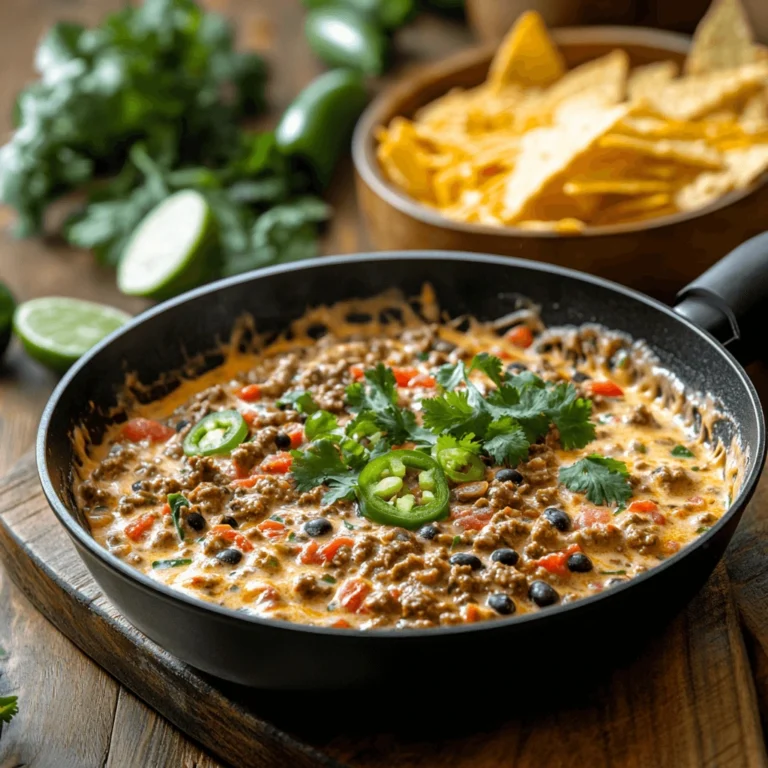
<point x="7" y="306"/>
<point x="172" y="249"/>
<point x="55" y="330"/>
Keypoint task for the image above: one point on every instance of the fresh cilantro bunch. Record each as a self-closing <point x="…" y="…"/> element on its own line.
<point x="603" y="480"/>
<point x="517" y="412"/>
<point x="148" y="103"/>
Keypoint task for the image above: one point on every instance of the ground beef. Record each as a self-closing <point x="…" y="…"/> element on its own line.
<point x="209" y="498"/>
<point x="382" y="601"/>
<point x="282" y="376"/>
<point x="328" y="383"/>
<point x="501" y="532"/>
<point x="506" y="577"/>
<point x="402" y="569"/>
<point x="674" y="480"/>
<point x="120" y="457"/>
<point x="307" y="585"/>
<point x="641" y="537"/>
<point x="201" y="469"/>
<point x="503" y="495"/>
<point x="93" y="496"/>
<point x="247" y="455"/>
<point x="642" y="416"/>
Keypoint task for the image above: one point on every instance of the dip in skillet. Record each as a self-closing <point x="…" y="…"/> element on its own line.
<point x="397" y="472"/>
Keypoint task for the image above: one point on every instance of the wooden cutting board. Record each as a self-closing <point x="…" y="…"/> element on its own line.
<point x="688" y="699"/>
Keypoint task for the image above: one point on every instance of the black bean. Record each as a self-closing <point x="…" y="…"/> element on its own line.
<point x="137" y="486"/>
<point x="465" y="558"/>
<point x="578" y="563"/>
<point x="195" y="521"/>
<point x="317" y="527"/>
<point x="181" y="424"/>
<point x="427" y="532"/>
<point x="229" y="520"/>
<point x="501" y="603"/>
<point x="508" y="476"/>
<point x="282" y="441"/>
<point x="516" y="368"/>
<point x="558" y="518"/>
<point x="542" y="594"/>
<point x="505" y="556"/>
<point x="230" y="556"/>
<point x="579" y="377"/>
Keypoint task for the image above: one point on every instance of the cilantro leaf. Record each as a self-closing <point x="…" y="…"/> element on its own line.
<point x="453" y="412"/>
<point x="302" y="401"/>
<point x="379" y="391"/>
<point x="466" y="443"/>
<point x="320" y="423"/>
<point x="506" y="442"/>
<point x="450" y="376"/>
<point x="490" y="365"/>
<point x="528" y="406"/>
<point x="572" y="421"/>
<point x="8" y="708"/>
<point x="604" y="480"/>
<point x="321" y="464"/>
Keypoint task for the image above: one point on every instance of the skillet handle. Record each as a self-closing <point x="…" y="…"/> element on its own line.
<point x="730" y="300"/>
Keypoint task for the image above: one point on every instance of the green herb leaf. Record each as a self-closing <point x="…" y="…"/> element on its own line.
<point x="176" y="501"/>
<point x="329" y="579"/>
<point x="603" y="480"/>
<point x="452" y="412"/>
<point x="466" y="443"/>
<point x="348" y="525"/>
<point x="506" y="442"/>
<point x="161" y="565"/>
<point x="320" y="423"/>
<point x="490" y="365"/>
<point x="455" y="542"/>
<point x="321" y="464"/>
<point x="450" y="376"/>
<point x="681" y="452"/>
<point x="8" y="708"/>
<point x="273" y="562"/>
<point x="300" y="401"/>
<point x="613" y="573"/>
<point x="571" y="415"/>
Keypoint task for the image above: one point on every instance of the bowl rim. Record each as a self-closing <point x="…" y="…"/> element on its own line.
<point x="367" y="167"/>
<point x="84" y="539"/>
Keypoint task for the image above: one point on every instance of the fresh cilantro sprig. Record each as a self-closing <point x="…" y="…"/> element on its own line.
<point x="322" y="464"/>
<point x="604" y="480"/>
<point x="8" y="708"/>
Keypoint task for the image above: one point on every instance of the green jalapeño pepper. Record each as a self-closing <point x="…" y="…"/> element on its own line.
<point x="217" y="433"/>
<point x="385" y="498"/>
<point x="460" y="465"/>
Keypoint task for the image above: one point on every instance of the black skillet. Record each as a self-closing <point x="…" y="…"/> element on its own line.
<point x="274" y="654"/>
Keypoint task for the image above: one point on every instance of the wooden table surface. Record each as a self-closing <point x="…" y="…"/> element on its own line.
<point x="73" y="714"/>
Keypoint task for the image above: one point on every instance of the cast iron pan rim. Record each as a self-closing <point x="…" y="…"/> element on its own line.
<point x="146" y="584"/>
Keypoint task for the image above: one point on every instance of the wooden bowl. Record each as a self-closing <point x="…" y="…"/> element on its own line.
<point x="657" y="256"/>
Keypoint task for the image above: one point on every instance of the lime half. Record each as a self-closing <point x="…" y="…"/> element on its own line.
<point x="7" y="306"/>
<point x="171" y="250"/>
<point x="56" y="331"/>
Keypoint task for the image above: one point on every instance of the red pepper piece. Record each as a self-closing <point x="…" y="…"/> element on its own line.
<point x="140" y="429"/>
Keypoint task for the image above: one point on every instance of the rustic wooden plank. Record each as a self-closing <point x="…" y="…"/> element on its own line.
<point x="687" y="700"/>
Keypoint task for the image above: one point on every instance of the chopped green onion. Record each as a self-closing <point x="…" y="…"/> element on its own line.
<point x="176" y="501"/>
<point x="695" y="469"/>
<point x="291" y="536"/>
<point x="273" y="562"/>
<point x="328" y="578"/>
<point x="456" y="541"/>
<point x="162" y="565"/>
<point x="348" y="525"/>
<point x="614" y="573"/>
<point x="641" y="448"/>
<point x="681" y="452"/>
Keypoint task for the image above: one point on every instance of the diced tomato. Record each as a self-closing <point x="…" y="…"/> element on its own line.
<point x="395" y="592"/>
<point x="272" y="529"/>
<point x="341" y="624"/>
<point x="247" y="482"/>
<point x="357" y="372"/>
<point x="696" y="501"/>
<point x="473" y="521"/>
<point x="649" y="507"/>
<point x="278" y="464"/>
<point x="590" y="516"/>
<point x="423" y="380"/>
<point x="268" y="597"/>
<point x="309" y="554"/>
<point x="136" y="529"/>
<point x="230" y="534"/>
<point x="352" y="593"/>
<point x="249" y="393"/>
<point x="556" y="562"/>
<point x="333" y="546"/>
<point x="642" y="505"/>
<point x="166" y="510"/>
<point x="250" y="417"/>
<point x="606" y="389"/>
<point x="672" y="546"/>
<point x="520" y="336"/>
<point x="403" y="376"/>
<point x="471" y="613"/>
<point x="137" y="430"/>
<point x="297" y="436"/>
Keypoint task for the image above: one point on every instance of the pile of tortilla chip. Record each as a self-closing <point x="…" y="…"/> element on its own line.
<point x="539" y="147"/>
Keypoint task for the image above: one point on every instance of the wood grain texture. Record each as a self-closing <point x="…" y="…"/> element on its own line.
<point x="687" y="700"/>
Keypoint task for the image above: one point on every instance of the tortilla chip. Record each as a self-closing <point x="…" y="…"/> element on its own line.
<point x="578" y="187"/>
<point x="723" y="40"/>
<point x="697" y="96"/>
<point x="527" y="56"/>
<point x="649" y="78"/>
<point x="628" y="210"/>
<point x="696" y="152"/>
<point x="548" y="152"/>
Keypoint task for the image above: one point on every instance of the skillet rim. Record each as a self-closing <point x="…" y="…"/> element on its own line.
<point x="145" y="584"/>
